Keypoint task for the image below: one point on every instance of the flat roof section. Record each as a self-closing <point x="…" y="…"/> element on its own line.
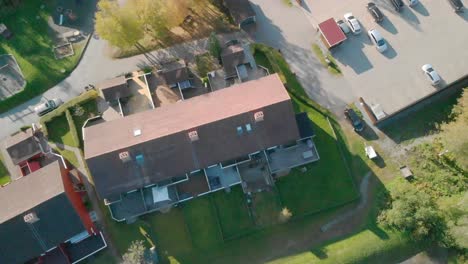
<point x="331" y="32"/>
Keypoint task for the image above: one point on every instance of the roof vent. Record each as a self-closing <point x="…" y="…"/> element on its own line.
<point x="193" y="135"/>
<point x="124" y="156"/>
<point x="258" y="116"/>
<point x="136" y="132"/>
<point x="31" y="218"/>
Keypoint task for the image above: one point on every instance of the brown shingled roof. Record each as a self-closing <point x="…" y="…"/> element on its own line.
<point x="240" y="9"/>
<point x="22" y="146"/>
<point x="114" y="88"/>
<point x="175" y="72"/>
<point x="164" y="143"/>
<point x="232" y="56"/>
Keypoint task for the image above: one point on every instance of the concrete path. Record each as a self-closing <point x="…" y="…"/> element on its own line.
<point x="92" y="196"/>
<point x="95" y="67"/>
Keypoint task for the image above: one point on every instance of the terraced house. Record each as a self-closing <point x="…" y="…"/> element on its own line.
<point x="246" y="134"/>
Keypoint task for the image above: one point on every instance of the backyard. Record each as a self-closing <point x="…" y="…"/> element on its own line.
<point x="4" y="176"/>
<point x="32" y="46"/>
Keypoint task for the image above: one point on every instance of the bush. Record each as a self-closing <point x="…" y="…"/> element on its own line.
<point x="84" y="97"/>
<point x="214" y="46"/>
<point x="71" y="125"/>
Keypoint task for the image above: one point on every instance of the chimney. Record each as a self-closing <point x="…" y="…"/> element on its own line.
<point x="31" y="218"/>
<point x="193" y="135"/>
<point x="258" y="116"/>
<point x="124" y="156"/>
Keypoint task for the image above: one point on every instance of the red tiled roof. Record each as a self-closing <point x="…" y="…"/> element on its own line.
<point x="331" y="32"/>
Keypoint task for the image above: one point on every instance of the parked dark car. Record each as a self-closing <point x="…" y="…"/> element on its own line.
<point x="457" y="5"/>
<point x="397" y="4"/>
<point x="354" y="119"/>
<point x="375" y="12"/>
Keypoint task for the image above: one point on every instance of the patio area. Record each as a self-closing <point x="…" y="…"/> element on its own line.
<point x="196" y="185"/>
<point x="219" y="178"/>
<point x="255" y="173"/>
<point x="217" y="79"/>
<point x="198" y="88"/>
<point x="285" y="158"/>
<point x="160" y="92"/>
<point x="140" y="99"/>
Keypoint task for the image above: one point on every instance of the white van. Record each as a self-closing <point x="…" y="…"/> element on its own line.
<point x="378" y="40"/>
<point x="48" y="106"/>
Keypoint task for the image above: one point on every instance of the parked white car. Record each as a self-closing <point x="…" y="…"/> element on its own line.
<point x="353" y="23"/>
<point x="377" y="40"/>
<point x="48" y="106"/>
<point x="343" y="26"/>
<point x="431" y="74"/>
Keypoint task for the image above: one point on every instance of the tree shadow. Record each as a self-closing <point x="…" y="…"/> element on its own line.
<point x="320" y="252"/>
<point x="389" y="26"/>
<point x="409" y="17"/>
<point x="421" y="9"/>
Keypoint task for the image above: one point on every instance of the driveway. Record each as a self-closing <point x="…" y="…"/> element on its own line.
<point x="430" y="33"/>
<point x="94" y="67"/>
<point x="291" y="29"/>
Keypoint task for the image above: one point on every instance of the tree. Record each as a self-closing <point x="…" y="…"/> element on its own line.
<point x="135" y="253"/>
<point x="454" y="134"/>
<point x="414" y="212"/>
<point x="119" y="25"/>
<point x="214" y="46"/>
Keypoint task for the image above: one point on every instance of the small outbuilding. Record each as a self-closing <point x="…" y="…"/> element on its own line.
<point x="241" y="11"/>
<point x="114" y="89"/>
<point x="331" y="33"/>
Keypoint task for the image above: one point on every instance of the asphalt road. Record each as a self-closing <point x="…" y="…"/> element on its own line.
<point x="94" y="67"/>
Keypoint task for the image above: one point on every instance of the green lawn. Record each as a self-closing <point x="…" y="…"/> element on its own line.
<point x="200" y="216"/>
<point x="32" y="48"/>
<point x="4" y="175"/>
<point x="59" y="131"/>
<point x="363" y="247"/>
<point x="267" y="208"/>
<point x="69" y="155"/>
<point x="326" y="183"/>
<point x="90" y="110"/>
<point x="233" y="212"/>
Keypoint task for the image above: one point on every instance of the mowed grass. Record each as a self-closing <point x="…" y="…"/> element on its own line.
<point x="202" y="222"/>
<point x="69" y="156"/>
<point x="326" y="183"/>
<point x="90" y="110"/>
<point x="363" y="247"/>
<point x="233" y="212"/>
<point x="59" y="131"/>
<point x="267" y="208"/>
<point x="32" y="48"/>
<point x="4" y="175"/>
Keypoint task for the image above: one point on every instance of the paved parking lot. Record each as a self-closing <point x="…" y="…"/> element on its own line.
<point x="428" y="33"/>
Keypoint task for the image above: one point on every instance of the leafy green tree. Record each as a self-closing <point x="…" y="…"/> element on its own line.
<point x="214" y="46"/>
<point x="415" y="212"/>
<point x="119" y="25"/>
<point x="135" y="253"/>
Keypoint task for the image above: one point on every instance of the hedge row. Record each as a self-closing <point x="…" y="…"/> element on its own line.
<point x="64" y="109"/>
<point x="71" y="125"/>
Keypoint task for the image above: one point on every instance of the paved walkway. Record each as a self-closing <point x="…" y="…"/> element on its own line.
<point x="95" y="67"/>
<point x="92" y="196"/>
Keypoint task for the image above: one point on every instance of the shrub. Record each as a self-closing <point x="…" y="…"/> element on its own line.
<point x="84" y="97"/>
<point x="71" y="125"/>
